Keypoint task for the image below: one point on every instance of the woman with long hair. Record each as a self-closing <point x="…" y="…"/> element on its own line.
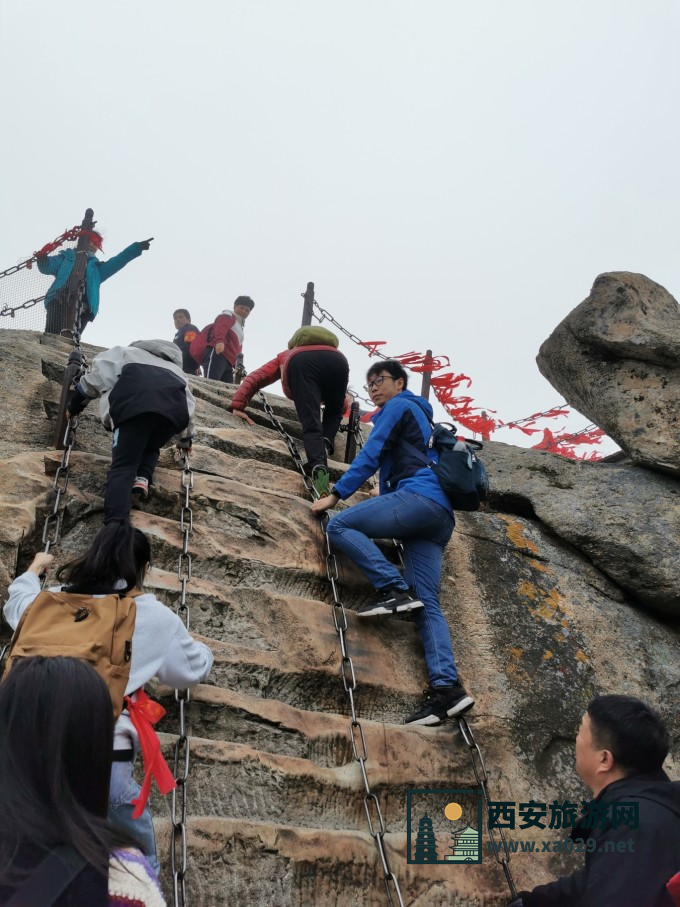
<point x="116" y="563"/>
<point x="56" y="845"/>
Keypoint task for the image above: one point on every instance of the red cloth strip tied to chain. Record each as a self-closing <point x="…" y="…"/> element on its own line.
<point x="67" y="236"/>
<point x="372" y="346"/>
<point x="416" y="362"/>
<point x="144" y="713"/>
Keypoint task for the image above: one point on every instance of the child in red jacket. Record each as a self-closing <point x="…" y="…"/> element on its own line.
<point x="218" y="344"/>
<point x="312" y="370"/>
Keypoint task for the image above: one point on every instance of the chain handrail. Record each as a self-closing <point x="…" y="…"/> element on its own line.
<point x="10" y="310"/>
<point x="181" y="763"/>
<point x="482" y="778"/>
<point x="374" y="815"/>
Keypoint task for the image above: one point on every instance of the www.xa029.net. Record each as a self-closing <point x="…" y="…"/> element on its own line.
<point x="580" y="845"/>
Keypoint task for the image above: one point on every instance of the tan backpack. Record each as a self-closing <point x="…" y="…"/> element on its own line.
<point x="96" y="630"/>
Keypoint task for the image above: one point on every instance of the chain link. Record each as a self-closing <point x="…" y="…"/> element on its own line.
<point x="10" y="310"/>
<point x="478" y="767"/>
<point x="23" y="264"/>
<point x="181" y="760"/>
<point x="374" y="815"/>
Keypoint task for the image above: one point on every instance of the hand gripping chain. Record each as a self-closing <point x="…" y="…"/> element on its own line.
<point x="374" y="816"/>
<point x="178" y="844"/>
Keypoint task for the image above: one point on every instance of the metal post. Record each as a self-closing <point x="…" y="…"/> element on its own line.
<point x="427" y="375"/>
<point x="73" y="369"/>
<point x="239" y="369"/>
<point x="352" y="429"/>
<point x="308" y="307"/>
<point x="78" y="272"/>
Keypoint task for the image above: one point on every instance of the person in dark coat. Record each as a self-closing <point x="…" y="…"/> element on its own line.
<point x="144" y="401"/>
<point x="185" y="336"/>
<point x="620" y="750"/>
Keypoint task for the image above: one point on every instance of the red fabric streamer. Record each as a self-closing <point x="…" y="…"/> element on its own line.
<point x="67" y="236"/>
<point x="565" y="444"/>
<point x="144" y="713"/>
<point x="372" y="346"/>
<point x="416" y="362"/>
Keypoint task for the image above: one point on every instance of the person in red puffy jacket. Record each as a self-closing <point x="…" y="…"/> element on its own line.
<point x="218" y="344"/>
<point x="312" y="371"/>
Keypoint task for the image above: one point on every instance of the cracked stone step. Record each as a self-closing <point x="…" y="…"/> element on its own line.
<point x="256" y="864"/>
<point x="235" y="780"/>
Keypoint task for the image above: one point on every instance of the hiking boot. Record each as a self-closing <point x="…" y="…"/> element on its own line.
<point x="441" y="702"/>
<point x="391" y="601"/>
<point x="321" y="481"/>
<point x="141" y="487"/>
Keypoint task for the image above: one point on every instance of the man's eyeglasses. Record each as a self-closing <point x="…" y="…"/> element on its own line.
<point x="377" y="382"/>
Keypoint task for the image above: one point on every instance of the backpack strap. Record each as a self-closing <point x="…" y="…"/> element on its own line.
<point x="417" y="453"/>
<point x="50" y="879"/>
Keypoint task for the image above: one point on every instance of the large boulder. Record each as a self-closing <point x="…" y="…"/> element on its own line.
<point x="623" y="517"/>
<point x="616" y="358"/>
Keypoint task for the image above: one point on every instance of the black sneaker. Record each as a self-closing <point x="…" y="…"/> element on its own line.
<point x="441" y="702"/>
<point x="391" y="601"/>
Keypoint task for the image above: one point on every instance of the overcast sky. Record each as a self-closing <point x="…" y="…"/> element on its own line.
<point x="449" y="174"/>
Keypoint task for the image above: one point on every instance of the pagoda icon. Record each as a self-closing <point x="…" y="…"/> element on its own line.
<point x="465" y="846"/>
<point x="426" y="849"/>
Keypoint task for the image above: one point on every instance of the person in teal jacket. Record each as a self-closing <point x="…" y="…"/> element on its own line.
<point x="60" y="266"/>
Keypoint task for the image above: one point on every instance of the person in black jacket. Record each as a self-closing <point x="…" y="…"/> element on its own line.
<point x="186" y="334"/>
<point x="620" y="750"/>
<point x="144" y="400"/>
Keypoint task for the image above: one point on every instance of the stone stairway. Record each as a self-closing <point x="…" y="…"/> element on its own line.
<point x="276" y="812"/>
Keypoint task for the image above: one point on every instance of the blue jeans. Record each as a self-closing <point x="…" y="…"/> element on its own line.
<point x="123" y="789"/>
<point x="424" y="527"/>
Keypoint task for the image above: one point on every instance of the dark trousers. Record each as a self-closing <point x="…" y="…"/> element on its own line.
<point x="313" y="377"/>
<point x="215" y="366"/>
<point x="57" y="313"/>
<point x="136" y="448"/>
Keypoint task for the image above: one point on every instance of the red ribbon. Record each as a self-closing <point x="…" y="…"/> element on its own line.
<point x="144" y="713"/>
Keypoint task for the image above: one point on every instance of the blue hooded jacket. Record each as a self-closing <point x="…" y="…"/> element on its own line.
<point x="405" y="417"/>
<point x="61" y="265"/>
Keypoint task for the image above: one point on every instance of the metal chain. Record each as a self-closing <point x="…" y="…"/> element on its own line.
<point x="53" y="521"/>
<point x="290" y="443"/>
<point x="19" y="267"/>
<point x="503" y="855"/>
<point x="178" y="844"/>
<point x="66" y="236"/>
<point x="10" y="310"/>
<point x="374" y="816"/>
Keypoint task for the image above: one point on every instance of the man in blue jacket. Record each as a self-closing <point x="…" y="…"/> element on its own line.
<point x="411" y="507"/>
<point x="60" y="266"/>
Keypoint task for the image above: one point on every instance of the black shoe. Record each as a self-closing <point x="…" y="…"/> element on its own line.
<point x="330" y="448"/>
<point x="441" y="702"/>
<point x="391" y="601"/>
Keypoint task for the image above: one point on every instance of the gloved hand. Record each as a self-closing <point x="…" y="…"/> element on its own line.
<point x="145" y="243"/>
<point x="76" y="402"/>
<point x="184" y="444"/>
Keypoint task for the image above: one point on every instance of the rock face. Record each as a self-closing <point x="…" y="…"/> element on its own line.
<point x="542" y="593"/>
<point x="616" y="358"/>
